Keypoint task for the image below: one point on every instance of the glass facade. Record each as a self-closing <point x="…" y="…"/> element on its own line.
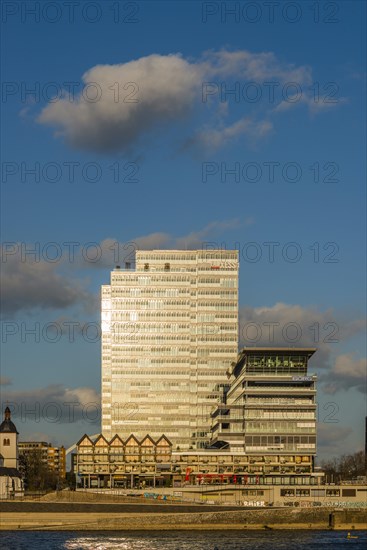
<point x="270" y="405"/>
<point x="169" y="333"/>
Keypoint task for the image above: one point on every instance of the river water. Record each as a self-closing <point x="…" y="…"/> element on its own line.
<point x="182" y="540"/>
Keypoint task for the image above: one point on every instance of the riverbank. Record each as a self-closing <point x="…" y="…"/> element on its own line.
<point x="265" y="519"/>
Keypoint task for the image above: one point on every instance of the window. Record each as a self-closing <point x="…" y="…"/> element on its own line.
<point x="348" y="492"/>
<point x="286" y="492"/>
<point x="333" y="492"/>
<point x="6" y="442"/>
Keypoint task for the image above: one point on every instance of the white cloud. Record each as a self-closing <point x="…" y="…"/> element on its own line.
<point x="31" y="283"/>
<point x="122" y="104"/>
<point x="114" y="252"/>
<point x="258" y="67"/>
<point x="331" y="438"/>
<point x="293" y="325"/>
<point x="314" y="105"/>
<point x="347" y="372"/>
<point x="134" y="97"/>
<point x="54" y="404"/>
<point x="214" y="138"/>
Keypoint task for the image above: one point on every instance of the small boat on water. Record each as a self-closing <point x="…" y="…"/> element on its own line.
<point x="349" y="536"/>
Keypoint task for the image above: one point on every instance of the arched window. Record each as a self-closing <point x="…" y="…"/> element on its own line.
<point x="6" y="442"/>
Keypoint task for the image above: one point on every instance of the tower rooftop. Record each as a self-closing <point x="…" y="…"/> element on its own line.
<point x="7" y="426"/>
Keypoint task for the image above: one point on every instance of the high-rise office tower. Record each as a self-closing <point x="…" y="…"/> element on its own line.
<point x="169" y="334"/>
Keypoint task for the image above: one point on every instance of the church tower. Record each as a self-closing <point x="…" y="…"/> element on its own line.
<point x="9" y="441"/>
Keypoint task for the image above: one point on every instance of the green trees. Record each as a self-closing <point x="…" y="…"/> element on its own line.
<point x="36" y="473"/>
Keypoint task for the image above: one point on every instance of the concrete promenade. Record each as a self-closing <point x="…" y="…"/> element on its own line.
<point x="125" y="517"/>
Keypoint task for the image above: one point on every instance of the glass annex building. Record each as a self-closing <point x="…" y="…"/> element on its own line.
<point x="169" y="334"/>
<point x="269" y="405"/>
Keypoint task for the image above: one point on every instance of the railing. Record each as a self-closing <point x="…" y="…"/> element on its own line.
<point x="264" y="389"/>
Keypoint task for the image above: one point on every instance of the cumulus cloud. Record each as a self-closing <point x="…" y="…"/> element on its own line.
<point x="28" y="284"/>
<point x="32" y="283"/>
<point x="331" y="438"/>
<point x="146" y="93"/>
<point x="113" y="252"/>
<point x="256" y="67"/>
<point x="314" y="105"/>
<point x="347" y="372"/>
<point x="292" y="325"/>
<point x="199" y="239"/>
<point x="54" y="404"/>
<point x="123" y="103"/>
<point x="214" y="138"/>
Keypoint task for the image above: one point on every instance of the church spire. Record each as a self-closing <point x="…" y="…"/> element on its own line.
<point x="7" y="426"/>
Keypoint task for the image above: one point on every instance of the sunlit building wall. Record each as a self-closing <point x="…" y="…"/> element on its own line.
<point x="169" y="334"/>
<point x="269" y="406"/>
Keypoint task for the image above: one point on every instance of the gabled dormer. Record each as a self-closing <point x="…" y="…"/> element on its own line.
<point x="163" y="449"/>
<point x="116" y="441"/>
<point x="85" y="441"/>
<point x="132" y="449"/>
<point x="147" y="448"/>
<point x="101" y="446"/>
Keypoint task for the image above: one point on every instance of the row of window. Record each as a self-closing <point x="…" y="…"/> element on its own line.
<point x="150" y="315"/>
<point x="123" y="292"/>
<point x="232" y="294"/>
<point x="158" y="316"/>
<point x="265" y="400"/>
<point x="165" y="372"/>
<point x="167" y="338"/>
<point x="278" y="426"/>
<point x="288" y="414"/>
<point x="172" y="351"/>
<point x="284" y="440"/>
<point x="276" y="360"/>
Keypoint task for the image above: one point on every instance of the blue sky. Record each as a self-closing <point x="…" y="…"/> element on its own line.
<point x="171" y="137"/>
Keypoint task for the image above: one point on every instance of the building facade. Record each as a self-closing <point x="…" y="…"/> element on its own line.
<point x="210" y="475"/>
<point x="11" y="484"/>
<point x="122" y="463"/>
<point x="53" y="457"/>
<point x="263" y="432"/>
<point x="269" y="406"/>
<point x="9" y="441"/>
<point x="132" y="462"/>
<point x="169" y="334"/>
